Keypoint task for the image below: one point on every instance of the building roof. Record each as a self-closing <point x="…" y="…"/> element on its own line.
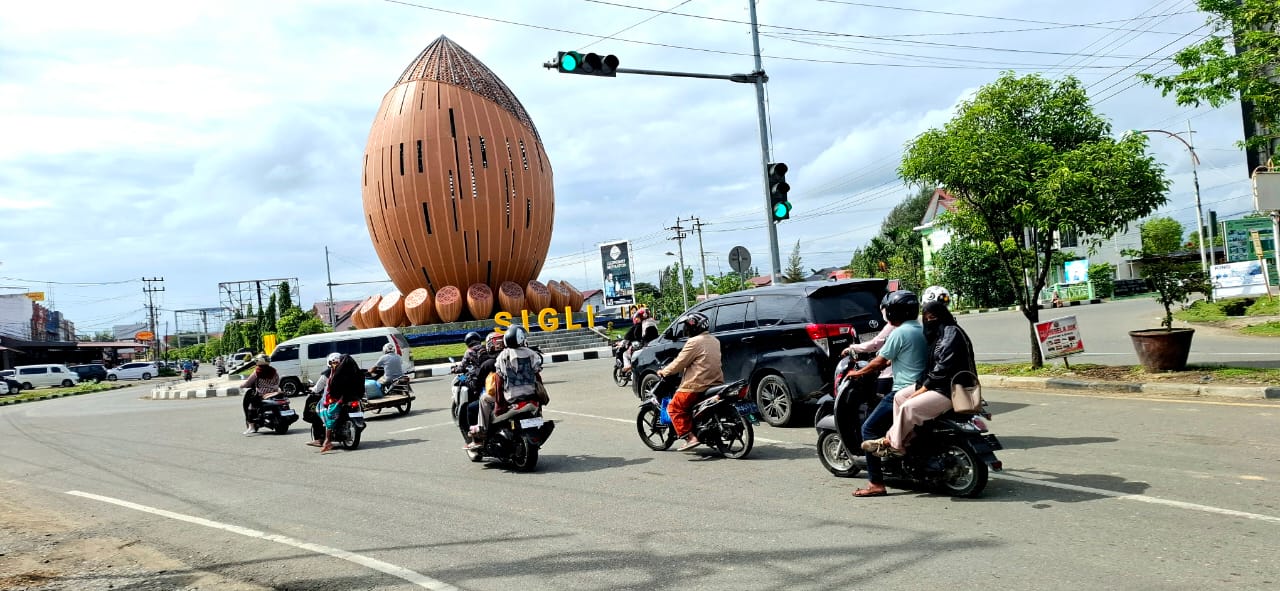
<point x="342" y="310"/>
<point x="940" y="202"/>
<point x="760" y="281"/>
<point x="586" y="295"/>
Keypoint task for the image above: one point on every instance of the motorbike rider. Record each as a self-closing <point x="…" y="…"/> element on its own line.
<point x="950" y="352"/>
<point x="699" y="362"/>
<point x="475" y="348"/>
<point x="518" y="368"/>
<point x="391" y="366"/>
<point x="264" y="383"/>
<point x="313" y="399"/>
<point x="476" y="380"/>
<point x="345" y="385"/>
<point x="906" y="349"/>
<point x="219" y="365"/>
<point x="644" y="330"/>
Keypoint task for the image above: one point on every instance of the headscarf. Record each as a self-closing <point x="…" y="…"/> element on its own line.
<point x="266" y="372"/>
<point x="942" y="317"/>
<point x="345" y="381"/>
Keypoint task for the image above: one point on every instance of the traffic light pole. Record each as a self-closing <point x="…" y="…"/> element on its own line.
<point x="774" y="259"/>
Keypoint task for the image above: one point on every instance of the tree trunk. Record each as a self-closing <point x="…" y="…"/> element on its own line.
<point x="1032" y="312"/>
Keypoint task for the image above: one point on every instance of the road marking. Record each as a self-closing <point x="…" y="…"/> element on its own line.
<point x="632" y="422"/>
<point x="1140" y="498"/>
<point x="419" y="428"/>
<point x="372" y="563"/>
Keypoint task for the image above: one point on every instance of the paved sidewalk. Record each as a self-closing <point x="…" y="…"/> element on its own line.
<point x="1215" y="390"/>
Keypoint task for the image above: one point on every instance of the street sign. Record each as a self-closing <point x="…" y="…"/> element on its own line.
<point x="1059" y="337"/>
<point x="739" y="259"/>
<point x="144" y="335"/>
<point x="36" y="296"/>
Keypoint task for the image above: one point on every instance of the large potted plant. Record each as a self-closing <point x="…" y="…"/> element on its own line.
<point x="1167" y="348"/>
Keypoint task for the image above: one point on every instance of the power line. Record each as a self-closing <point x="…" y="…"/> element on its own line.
<point x="985" y="16"/>
<point x="1119" y="41"/>
<point x="75" y="284"/>
<point x="624" y="30"/>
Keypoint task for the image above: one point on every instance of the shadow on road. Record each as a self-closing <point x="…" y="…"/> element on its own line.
<point x="1030" y="442"/>
<point x="1000" y="408"/>
<point x="567" y="464"/>
<point x="1020" y="492"/>
<point x="382" y="443"/>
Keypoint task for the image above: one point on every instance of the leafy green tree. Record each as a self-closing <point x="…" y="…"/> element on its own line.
<point x="971" y="271"/>
<point x="727" y="283"/>
<point x="1193" y="240"/>
<point x="1174" y="282"/>
<point x="794" y="273"/>
<point x="1103" y="278"/>
<point x="1161" y="235"/>
<point x="897" y="251"/>
<point x="1247" y="71"/>
<point x="286" y="301"/>
<point x="104" y="336"/>
<point x="1027" y="159"/>
<point x="312" y="325"/>
<point x="644" y="288"/>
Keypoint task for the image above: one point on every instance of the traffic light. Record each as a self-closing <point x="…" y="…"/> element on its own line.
<point x="779" y="206"/>
<point x="591" y="64"/>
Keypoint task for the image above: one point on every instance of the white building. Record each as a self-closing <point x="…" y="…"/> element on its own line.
<point x="15" y="316"/>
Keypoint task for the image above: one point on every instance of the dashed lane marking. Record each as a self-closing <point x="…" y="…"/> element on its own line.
<point x="420" y="428"/>
<point x="418" y="579"/>
<point x="1140" y="498"/>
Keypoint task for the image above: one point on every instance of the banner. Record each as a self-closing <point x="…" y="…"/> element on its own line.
<point x="1237" y="236"/>
<point x="615" y="260"/>
<point x="1059" y="337"/>
<point x="1238" y="279"/>
<point x="1076" y="271"/>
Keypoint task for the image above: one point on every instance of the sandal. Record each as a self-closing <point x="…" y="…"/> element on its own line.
<point x="690" y="444"/>
<point x="875" y="445"/>
<point x="315" y="444"/>
<point x="870" y="492"/>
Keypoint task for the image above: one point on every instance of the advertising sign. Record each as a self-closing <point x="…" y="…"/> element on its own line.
<point x="1059" y="337"/>
<point x="1238" y="279"/>
<point x="36" y="296"/>
<point x="1238" y="238"/>
<point x="1076" y="271"/>
<point x="615" y="259"/>
<point x="145" y="335"/>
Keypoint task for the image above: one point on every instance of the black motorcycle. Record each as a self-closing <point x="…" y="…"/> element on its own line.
<point x="620" y="377"/>
<point x="722" y="418"/>
<point x="350" y="424"/>
<point x="951" y="454"/>
<point x="271" y="413"/>
<point x="515" y="436"/>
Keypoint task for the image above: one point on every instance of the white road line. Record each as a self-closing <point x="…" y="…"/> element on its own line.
<point x="632" y="422"/>
<point x="399" y="572"/>
<point x="419" y="428"/>
<point x="1140" y="498"/>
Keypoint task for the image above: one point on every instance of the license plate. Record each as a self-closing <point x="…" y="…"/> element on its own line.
<point x="288" y="413"/>
<point x="356" y="415"/>
<point x="533" y="423"/>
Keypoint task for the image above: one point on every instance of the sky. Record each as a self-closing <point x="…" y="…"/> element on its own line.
<point x="215" y="141"/>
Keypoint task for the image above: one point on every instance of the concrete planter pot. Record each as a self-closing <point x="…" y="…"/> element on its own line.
<point x="1159" y="349"/>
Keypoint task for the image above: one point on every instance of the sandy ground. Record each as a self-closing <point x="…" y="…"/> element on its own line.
<point x="43" y="550"/>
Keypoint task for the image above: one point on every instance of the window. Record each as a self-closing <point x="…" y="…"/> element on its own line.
<point x="730" y="317"/>
<point x="1068" y="240"/>
<point x="288" y="353"/>
<point x="31" y="371"/>
<point x="372" y="344"/>
<point x="320" y="350"/>
<point x="770" y="310"/>
<point x="845" y="307"/>
<point x="55" y="369"/>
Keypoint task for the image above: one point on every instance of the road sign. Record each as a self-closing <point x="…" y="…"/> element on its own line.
<point x="144" y="335"/>
<point x="739" y="259"/>
<point x="36" y="296"/>
<point x="1059" y="337"/>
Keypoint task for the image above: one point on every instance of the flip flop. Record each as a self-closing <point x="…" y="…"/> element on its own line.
<point x="689" y="446"/>
<point x="314" y="443"/>
<point x="866" y="492"/>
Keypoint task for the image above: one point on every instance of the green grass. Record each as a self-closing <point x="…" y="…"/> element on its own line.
<point x="1053" y="369"/>
<point x="1266" y="329"/>
<point x="1264" y="307"/>
<point x="454" y="350"/>
<point x="59" y="392"/>
<point x="1202" y="311"/>
<point x="1050" y="369"/>
<point x="1268" y="375"/>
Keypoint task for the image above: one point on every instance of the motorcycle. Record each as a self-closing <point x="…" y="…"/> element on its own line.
<point x="722" y="418"/>
<point x="515" y="436"/>
<point x="951" y="454"/>
<point x="271" y="413"/>
<point x="622" y="377"/>
<point x="221" y="371"/>
<point x="350" y="424"/>
<point x="186" y="375"/>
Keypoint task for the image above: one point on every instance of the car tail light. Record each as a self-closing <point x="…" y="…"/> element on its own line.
<point x="820" y="333"/>
<point x="396" y="342"/>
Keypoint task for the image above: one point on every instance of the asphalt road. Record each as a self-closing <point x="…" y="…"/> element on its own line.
<point x="1006" y="337"/>
<point x="1098" y="492"/>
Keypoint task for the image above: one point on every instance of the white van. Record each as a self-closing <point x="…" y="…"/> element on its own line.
<point x="300" y="360"/>
<point x="35" y="376"/>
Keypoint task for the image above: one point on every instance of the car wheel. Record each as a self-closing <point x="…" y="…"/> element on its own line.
<point x="290" y="386"/>
<point x="647" y="382"/>
<point x="67" y="383"/>
<point x="28" y="386"/>
<point x="111" y="377"/>
<point x="775" y="402"/>
<point x="146" y="376"/>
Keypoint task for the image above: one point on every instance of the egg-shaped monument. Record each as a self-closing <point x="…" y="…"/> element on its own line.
<point x="456" y="184"/>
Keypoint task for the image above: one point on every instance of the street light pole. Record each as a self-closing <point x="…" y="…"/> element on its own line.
<point x="1195" y="178"/>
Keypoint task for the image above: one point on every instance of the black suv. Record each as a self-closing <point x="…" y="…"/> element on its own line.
<point x="92" y="371"/>
<point x="785" y="339"/>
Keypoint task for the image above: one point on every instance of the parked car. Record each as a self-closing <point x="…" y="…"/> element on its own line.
<point x="784" y="339"/>
<point x="47" y="374"/>
<point x="300" y="360"/>
<point x="137" y="370"/>
<point x="90" y="372"/>
<point x="13" y="385"/>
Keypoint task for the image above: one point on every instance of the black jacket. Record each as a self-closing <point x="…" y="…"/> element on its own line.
<point x="949" y="355"/>
<point x="637" y="332"/>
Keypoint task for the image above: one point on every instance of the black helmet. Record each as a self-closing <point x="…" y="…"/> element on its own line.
<point x="515" y="337"/>
<point x="694" y="324"/>
<point x="472" y="339"/>
<point x="900" y="306"/>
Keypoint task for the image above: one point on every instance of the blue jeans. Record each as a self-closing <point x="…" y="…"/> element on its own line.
<point x="876" y="425"/>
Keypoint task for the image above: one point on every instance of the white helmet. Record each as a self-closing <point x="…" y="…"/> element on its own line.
<point x="937" y="293"/>
<point x="388" y="348"/>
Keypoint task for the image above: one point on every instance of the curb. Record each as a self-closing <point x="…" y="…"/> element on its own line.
<point x="186" y="393"/>
<point x="1013" y="308"/>
<point x="442" y="369"/>
<point x="1221" y="391"/>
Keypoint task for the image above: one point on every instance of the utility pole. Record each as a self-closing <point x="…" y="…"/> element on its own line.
<point x="204" y="319"/>
<point x="679" y="238"/>
<point x="1195" y="179"/>
<point x="332" y="321"/>
<point x="774" y="259"/>
<point x="702" y="254"/>
<point x="149" y="288"/>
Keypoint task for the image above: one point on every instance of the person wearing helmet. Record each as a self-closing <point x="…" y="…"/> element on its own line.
<point x="313" y="398"/>
<point x="477" y="377"/>
<point x="264" y="383"/>
<point x="699" y="364"/>
<point x="344" y="387"/>
<point x="475" y="348"/>
<point x="937" y="293"/>
<point x="644" y="329"/>
<point x="905" y="348"/>
<point x="517" y="368"/>
<point x="950" y="354"/>
<point x="390" y="366"/>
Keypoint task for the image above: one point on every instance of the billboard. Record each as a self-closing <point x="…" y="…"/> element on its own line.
<point x="1059" y="337"/>
<point x="1076" y="271"/>
<point x="1238" y="279"/>
<point x="1237" y="237"/>
<point x="615" y="260"/>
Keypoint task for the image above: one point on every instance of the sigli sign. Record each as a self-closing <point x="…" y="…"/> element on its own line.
<point x="1059" y="337"/>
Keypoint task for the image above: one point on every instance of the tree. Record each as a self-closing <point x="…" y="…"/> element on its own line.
<point x="1193" y="240"/>
<point x="104" y="336"/>
<point x="285" y="302"/>
<point x="1212" y="73"/>
<point x="897" y="251"/>
<point x="643" y="288"/>
<point x="727" y="283"/>
<point x="1174" y="283"/>
<point x="312" y="325"/>
<point x="1027" y="160"/>
<point x="1160" y="236"/>
<point x="794" y="273"/>
<point x="971" y="271"/>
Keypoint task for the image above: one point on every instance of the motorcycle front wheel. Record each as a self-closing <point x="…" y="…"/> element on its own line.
<point x="621" y="378"/>
<point x="652" y="432"/>
<point x="965" y="474"/>
<point x="834" y="457"/>
<point x="736" y="435"/>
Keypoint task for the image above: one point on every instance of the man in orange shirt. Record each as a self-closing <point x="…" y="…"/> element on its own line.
<point x="699" y="361"/>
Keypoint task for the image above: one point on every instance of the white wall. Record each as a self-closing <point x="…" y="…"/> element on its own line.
<point x="15" y="316"/>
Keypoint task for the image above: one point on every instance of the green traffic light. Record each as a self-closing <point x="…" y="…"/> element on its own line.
<point x="781" y="209"/>
<point x="569" y="62"/>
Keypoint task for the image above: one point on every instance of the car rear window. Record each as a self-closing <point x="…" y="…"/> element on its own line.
<point x="844" y="307"/>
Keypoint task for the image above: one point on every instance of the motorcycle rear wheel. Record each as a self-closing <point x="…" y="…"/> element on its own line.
<point x="621" y="378"/>
<point x="966" y="473"/>
<point x="282" y="428"/>
<point x="736" y="436"/>
<point x="653" y="433"/>
<point x="349" y="437"/>
<point x="525" y="457"/>
<point x="834" y="457"/>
